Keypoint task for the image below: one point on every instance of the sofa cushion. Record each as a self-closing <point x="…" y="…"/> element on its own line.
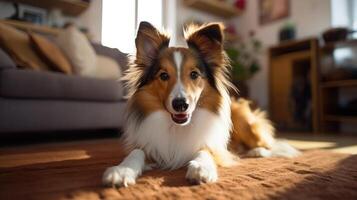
<point x="33" y="115"/>
<point x="5" y="61"/>
<point x="51" y="85"/>
<point x="78" y="50"/>
<point x="17" y="44"/>
<point x="50" y="53"/>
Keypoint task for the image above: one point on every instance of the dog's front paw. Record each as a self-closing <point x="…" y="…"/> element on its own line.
<point x="119" y="176"/>
<point x="198" y="173"/>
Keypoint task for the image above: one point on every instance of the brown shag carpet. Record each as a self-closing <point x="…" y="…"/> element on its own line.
<point x="73" y="171"/>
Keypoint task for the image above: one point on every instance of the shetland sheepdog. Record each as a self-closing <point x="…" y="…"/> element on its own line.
<point x="180" y="112"/>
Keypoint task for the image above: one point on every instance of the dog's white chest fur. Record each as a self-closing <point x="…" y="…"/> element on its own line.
<point x="172" y="146"/>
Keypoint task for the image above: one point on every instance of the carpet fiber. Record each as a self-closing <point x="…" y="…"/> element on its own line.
<point x="73" y="171"/>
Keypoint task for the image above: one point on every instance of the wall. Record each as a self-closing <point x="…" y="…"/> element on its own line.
<point x="6" y="9"/>
<point x="311" y="17"/>
<point x="176" y="14"/>
<point x="92" y="19"/>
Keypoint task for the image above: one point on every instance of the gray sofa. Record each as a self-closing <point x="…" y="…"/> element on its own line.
<point x="35" y="101"/>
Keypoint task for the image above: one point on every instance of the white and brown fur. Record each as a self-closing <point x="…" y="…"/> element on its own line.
<point x="213" y="125"/>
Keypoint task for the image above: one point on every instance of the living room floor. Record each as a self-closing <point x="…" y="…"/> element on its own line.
<point x="72" y="169"/>
<point x="337" y="142"/>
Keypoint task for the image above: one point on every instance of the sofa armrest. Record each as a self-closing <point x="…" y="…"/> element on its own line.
<point x="120" y="57"/>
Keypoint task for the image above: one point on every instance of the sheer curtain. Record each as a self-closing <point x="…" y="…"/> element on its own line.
<point x="120" y="19"/>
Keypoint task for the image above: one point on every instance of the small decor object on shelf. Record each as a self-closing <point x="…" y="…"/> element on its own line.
<point x="336" y="34"/>
<point x="272" y="10"/>
<point x="287" y="32"/>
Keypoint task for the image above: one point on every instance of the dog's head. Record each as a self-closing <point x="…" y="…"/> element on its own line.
<point x="177" y="79"/>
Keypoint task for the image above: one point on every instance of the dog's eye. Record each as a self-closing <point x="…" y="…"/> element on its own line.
<point x="194" y="75"/>
<point x="164" y="76"/>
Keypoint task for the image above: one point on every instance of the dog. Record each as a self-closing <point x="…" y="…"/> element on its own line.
<point x="180" y="113"/>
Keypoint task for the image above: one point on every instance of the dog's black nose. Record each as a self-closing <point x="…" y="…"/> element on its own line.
<point x="179" y="104"/>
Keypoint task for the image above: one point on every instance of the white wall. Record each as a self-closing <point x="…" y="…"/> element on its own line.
<point x="311" y="17"/>
<point x="92" y="19"/>
<point x="176" y="14"/>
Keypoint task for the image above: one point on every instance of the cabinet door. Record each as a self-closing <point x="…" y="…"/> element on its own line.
<point x="280" y="83"/>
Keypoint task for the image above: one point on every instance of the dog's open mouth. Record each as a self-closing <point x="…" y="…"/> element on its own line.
<point x="180" y="118"/>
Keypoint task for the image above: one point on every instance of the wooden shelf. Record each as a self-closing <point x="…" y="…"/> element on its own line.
<point x="219" y="8"/>
<point x="292" y="46"/>
<point x="342" y="83"/>
<point x="298" y="55"/>
<point x="69" y="7"/>
<point x="27" y="26"/>
<point x="340" y="118"/>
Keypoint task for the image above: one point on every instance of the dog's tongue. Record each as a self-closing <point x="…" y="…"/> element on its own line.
<point x="179" y="118"/>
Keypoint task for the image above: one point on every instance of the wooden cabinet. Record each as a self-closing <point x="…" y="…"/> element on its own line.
<point x="293" y="70"/>
<point x="281" y="80"/>
<point x="342" y="55"/>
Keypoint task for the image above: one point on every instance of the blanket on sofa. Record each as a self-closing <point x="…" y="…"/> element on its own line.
<point x="73" y="171"/>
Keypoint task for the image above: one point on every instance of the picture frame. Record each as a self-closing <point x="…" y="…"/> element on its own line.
<point x="273" y="10"/>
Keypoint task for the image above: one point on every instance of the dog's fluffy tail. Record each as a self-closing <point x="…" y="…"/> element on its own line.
<point x="255" y="130"/>
<point x="251" y="128"/>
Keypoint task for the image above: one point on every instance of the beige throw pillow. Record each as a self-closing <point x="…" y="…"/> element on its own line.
<point x="78" y="50"/>
<point x="107" y="68"/>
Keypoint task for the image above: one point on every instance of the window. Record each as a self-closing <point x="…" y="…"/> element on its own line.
<point x="344" y="13"/>
<point x="121" y="18"/>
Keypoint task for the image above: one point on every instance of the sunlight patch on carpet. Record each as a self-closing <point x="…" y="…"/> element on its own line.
<point x="348" y="149"/>
<point x="306" y="145"/>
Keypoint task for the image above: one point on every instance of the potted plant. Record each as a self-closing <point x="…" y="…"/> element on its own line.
<point x="287" y="32"/>
<point x="244" y="62"/>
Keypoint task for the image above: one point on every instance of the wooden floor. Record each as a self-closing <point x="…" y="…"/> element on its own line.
<point x="45" y="171"/>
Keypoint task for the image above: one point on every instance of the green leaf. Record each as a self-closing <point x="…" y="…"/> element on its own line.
<point x="232" y="53"/>
<point x="254" y="67"/>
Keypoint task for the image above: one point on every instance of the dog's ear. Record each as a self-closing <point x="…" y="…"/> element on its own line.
<point x="208" y="41"/>
<point x="148" y="43"/>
